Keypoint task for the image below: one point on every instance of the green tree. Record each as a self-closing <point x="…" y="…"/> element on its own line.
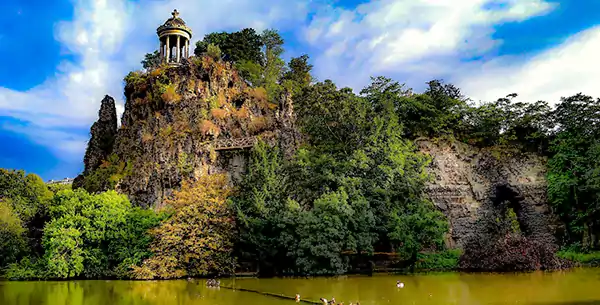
<point x="573" y="184"/>
<point x="13" y="243"/>
<point x="151" y="60"/>
<point x="298" y="73"/>
<point x="238" y="46"/>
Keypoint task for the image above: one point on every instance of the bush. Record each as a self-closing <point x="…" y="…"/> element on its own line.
<point x="513" y="252"/>
<point x="438" y="261"/>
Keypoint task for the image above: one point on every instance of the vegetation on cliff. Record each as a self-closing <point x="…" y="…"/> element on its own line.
<point x="354" y="187"/>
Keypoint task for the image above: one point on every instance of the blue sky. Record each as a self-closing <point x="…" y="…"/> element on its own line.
<point x="59" y="58"/>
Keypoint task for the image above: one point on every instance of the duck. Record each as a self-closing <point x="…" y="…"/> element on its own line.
<point x="324" y="300"/>
<point x="399" y="284"/>
<point x="297" y="297"/>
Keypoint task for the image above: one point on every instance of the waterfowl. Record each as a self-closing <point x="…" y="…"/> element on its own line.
<point x="324" y="300"/>
<point x="297" y="297"/>
<point x="399" y="284"/>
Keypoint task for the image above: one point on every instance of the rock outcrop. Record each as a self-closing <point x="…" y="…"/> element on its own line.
<point x="186" y="121"/>
<point x="474" y="188"/>
<point x="102" y="138"/>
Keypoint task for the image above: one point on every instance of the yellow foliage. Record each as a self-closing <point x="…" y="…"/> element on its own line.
<point x="182" y="126"/>
<point x="241" y="113"/>
<point x="209" y="128"/>
<point x="165" y="132"/>
<point x="198" y="238"/>
<point x="271" y="106"/>
<point x="221" y="98"/>
<point x="170" y="95"/>
<point x="191" y="85"/>
<point x="219" y="113"/>
<point x="258" y="94"/>
<point x="156" y="72"/>
<point x="257" y="124"/>
<point x="147" y="137"/>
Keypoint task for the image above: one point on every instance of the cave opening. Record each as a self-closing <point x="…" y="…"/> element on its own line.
<point x="509" y="206"/>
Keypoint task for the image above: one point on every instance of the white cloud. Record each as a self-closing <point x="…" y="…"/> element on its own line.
<point x="416" y="39"/>
<point x="562" y="71"/>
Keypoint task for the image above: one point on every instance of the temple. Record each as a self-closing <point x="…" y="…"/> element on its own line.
<point x="174" y="38"/>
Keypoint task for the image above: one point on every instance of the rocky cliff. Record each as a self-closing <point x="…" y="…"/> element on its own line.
<point x="185" y="121"/>
<point x="102" y="138"/>
<point x="475" y="188"/>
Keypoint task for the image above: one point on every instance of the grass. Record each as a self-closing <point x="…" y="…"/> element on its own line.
<point x="591" y="258"/>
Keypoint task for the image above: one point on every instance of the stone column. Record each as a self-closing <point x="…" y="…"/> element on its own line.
<point x="168" y="49"/>
<point x="178" y="50"/>
<point x="187" y="48"/>
<point x="162" y="51"/>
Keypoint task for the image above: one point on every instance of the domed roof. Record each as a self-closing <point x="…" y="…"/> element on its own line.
<point x="174" y="23"/>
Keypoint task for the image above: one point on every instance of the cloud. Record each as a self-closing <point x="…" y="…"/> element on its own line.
<point x="415" y="40"/>
<point x="559" y="72"/>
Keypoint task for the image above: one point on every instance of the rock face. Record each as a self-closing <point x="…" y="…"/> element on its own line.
<point x="186" y="121"/>
<point x="474" y="187"/>
<point x="102" y="138"/>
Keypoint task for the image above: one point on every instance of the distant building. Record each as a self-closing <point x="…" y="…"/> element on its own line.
<point x="63" y="181"/>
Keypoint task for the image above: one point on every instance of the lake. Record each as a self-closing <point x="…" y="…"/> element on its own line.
<point x="578" y="286"/>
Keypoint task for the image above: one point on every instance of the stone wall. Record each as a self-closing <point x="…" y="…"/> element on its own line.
<point x="469" y="184"/>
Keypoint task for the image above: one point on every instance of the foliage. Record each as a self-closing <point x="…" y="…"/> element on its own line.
<point x="586" y="259"/>
<point x="89" y="236"/>
<point x="106" y="177"/>
<point x="12" y="235"/>
<point x="27" y="193"/>
<point x="512" y="252"/>
<point x="573" y="170"/>
<point x="438" y="261"/>
<point x="197" y="239"/>
<point x="151" y="60"/>
<point x="214" y="51"/>
<point x="236" y="47"/>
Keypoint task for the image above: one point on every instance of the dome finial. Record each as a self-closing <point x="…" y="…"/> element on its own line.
<point x="175" y="13"/>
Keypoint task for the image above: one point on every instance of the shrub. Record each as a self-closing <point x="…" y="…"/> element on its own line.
<point x="219" y="113"/>
<point x="147" y="137"/>
<point x="209" y="128"/>
<point x="241" y="113"/>
<point x="170" y="94"/>
<point x="257" y="124"/>
<point x="512" y="252"/>
<point x="438" y="261"/>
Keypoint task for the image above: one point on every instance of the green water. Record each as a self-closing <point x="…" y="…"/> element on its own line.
<point x="581" y="286"/>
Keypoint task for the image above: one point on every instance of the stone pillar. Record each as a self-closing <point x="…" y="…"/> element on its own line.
<point x="162" y="51"/>
<point x="178" y="50"/>
<point x="187" y="48"/>
<point x="168" y="49"/>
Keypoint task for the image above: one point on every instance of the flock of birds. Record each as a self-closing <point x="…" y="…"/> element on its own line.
<point x="332" y="301"/>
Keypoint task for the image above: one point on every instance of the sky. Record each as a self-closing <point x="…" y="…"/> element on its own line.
<point x="59" y="58"/>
